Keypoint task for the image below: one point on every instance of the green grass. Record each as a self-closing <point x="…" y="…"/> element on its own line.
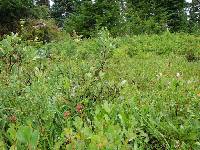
<point x="138" y="92"/>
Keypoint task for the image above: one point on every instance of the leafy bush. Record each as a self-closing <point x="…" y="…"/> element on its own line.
<point x="40" y="12"/>
<point x="11" y="11"/>
<point x="136" y="92"/>
<point x="40" y="30"/>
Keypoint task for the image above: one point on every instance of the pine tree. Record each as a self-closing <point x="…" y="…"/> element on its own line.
<point x="195" y="12"/>
<point x="175" y="13"/>
<point x="89" y="16"/>
<point x="144" y="16"/>
<point x="108" y="13"/>
<point x="61" y="9"/>
<point x="82" y="19"/>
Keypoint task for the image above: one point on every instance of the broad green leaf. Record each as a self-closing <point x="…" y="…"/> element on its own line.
<point x="34" y="138"/>
<point x="24" y="134"/>
<point x="106" y="107"/>
<point x="12" y="132"/>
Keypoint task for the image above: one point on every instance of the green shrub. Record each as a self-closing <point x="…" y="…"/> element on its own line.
<point x="41" y="31"/>
<point x="137" y="92"/>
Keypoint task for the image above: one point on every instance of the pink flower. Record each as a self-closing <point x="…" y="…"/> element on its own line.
<point x="66" y="114"/>
<point x="13" y="119"/>
<point x="79" y="108"/>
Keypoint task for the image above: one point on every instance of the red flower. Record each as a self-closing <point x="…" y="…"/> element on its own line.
<point x="66" y="114"/>
<point x="79" y="108"/>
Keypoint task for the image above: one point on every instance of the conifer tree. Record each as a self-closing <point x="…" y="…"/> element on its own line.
<point x="175" y="13"/>
<point x="195" y="11"/>
<point x="61" y="9"/>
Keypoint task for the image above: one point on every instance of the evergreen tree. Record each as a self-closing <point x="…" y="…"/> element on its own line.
<point x="144" y="16"/>
<point x="108" y="14"/>
<point x="170" y="10"/>
<point x="89" y="16"/>
<point x="194" y="16"/>
<point x="82" y="20"/>
<point x="139" y="16"/>
<point x="61" y="9"/>
<point x="175" y="12"/>
<point x="195" y="11"/>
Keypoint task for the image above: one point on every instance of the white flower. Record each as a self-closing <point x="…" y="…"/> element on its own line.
<point x="159" y="75"/>
<point x="89" y="75"/>
<point x="178" y="75"/>
<point x="123" y="82"/>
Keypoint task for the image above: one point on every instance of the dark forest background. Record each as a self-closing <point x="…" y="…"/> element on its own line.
<point x="121" y="17"/>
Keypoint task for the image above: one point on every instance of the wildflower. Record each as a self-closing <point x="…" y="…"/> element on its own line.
<point x="13" y="119"/>
<point x="79" y="108"/>
<point x="66" y="114"/>
<point x="178" y="75"/>
<point x="123" y="82"/>
<point x="159" y="75"/>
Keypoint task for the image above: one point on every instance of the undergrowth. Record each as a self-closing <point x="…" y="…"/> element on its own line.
<point x="139" y="92"/>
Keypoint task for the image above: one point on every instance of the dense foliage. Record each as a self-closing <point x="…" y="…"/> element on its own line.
<point x="86" y="17"/>
<point x="137" y="92"/>
<point x="99" y="74"/>
<point x="11" y="11"/>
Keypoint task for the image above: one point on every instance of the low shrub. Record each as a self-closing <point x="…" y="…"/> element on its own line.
<point x="135" y="92"/>
<point x="40" y="30"/>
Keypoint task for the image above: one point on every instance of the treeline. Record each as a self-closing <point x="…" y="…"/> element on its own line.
<point x="86" y="17"/>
